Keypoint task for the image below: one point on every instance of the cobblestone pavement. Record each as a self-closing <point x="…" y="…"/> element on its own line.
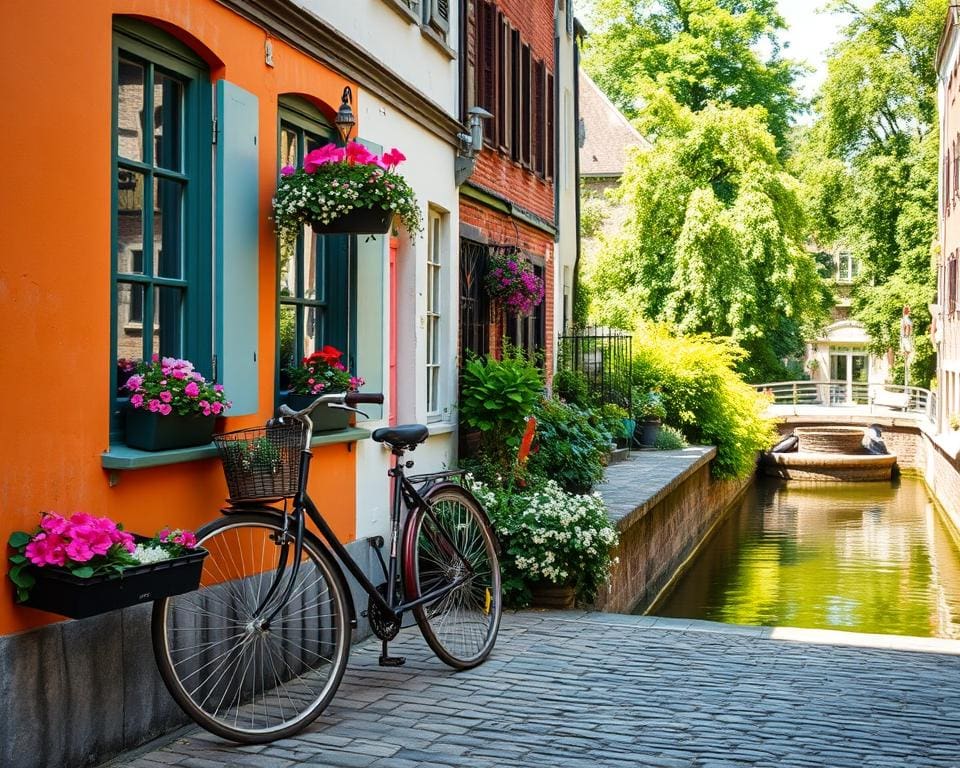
<point x="566" y="689"/>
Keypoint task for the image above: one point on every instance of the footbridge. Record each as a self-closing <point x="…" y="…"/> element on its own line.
<point x="849" y="402"/>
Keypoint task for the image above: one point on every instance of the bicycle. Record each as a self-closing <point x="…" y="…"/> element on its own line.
<point x="258" y="651"/>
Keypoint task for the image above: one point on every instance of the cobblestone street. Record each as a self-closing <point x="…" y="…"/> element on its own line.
<point x="590" y="689"/>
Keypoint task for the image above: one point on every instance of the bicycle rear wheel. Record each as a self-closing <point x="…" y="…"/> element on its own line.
<point x="235" y="675"/>
<point x="461" y="626"/>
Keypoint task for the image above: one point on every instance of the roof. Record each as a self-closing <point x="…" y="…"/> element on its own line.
<point x="608" y="133"/>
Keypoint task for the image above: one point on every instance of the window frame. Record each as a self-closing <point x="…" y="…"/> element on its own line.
<point x="434" y="313"/>
<point x="155" y="50"/>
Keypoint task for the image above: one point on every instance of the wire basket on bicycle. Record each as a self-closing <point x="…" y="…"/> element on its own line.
<point x="262" y="463"/>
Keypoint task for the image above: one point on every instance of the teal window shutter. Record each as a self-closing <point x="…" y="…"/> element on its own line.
<point x="238" y="256"/>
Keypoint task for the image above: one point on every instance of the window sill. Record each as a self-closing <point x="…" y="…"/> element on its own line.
<point x="438" y="41"/>
<point x="441" y="427"/>
<point x="404" y="11"/>
<point x="120" y="457"/>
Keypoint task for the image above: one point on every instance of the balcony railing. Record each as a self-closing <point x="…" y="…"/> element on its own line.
<point x="845" y="394"/>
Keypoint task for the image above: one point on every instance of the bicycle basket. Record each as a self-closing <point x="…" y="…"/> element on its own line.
<point x="262" y="463"/>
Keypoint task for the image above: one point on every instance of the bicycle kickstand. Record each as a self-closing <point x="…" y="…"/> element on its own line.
<point x="386" y="660"/>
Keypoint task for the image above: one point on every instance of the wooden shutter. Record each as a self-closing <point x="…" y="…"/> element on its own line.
<point x="501" y="114"/>
<point x="525" y="106"/>
<point x="551" y="129"/>
<point x="539" y="108"/>
<point x="487" y="64"/>
<point x="516" y="134"/>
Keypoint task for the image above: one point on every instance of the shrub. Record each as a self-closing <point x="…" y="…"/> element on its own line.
<point x="570" y="448"/>
<point x="571" y="385"/>
<point x="648" y="406"/>
<point x="496" y="398"/>
<point x="704" y="396"/>
<point x="549" y="535"/>
<point x="612" y="419"/>
<point x="670" y="439"/>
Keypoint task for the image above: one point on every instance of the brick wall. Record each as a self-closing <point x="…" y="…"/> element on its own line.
<point x="510" y="180"/>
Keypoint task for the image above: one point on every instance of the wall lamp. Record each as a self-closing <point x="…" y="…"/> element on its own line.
<point x="470" y="144"/>
<point x="345" y="120"/>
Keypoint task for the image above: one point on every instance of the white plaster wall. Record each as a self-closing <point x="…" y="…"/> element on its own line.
<point x="566" y="181"/>
<point x="397" y="40"/>
<point x="429" y="170"/>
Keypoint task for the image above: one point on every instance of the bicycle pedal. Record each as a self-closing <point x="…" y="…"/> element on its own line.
<point x="392" y="661"/>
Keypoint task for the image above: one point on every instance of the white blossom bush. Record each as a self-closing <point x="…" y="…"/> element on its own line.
<point x="549" y="535"/>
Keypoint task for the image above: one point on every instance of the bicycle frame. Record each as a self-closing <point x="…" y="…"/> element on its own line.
<point x="405" y="493"/>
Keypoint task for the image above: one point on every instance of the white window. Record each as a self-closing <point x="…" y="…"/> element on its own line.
<point x="434" y="309"/>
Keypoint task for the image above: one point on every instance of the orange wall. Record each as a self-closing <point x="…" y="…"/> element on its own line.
<point x="55" y="268"/>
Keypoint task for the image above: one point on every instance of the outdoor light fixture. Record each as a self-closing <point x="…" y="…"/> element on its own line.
<point x="345" y="120"/>
<point x="470" y="144"/>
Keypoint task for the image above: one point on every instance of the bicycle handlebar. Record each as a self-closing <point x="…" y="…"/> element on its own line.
<point x="354" y="398"/>
<point x="337" y="399"/>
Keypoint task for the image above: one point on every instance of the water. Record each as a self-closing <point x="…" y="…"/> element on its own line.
<point x="863" y="557"/>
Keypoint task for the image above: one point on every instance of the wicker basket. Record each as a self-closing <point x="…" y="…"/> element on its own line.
<point x="262" y="463"/>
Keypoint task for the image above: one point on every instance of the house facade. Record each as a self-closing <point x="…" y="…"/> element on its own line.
<point x="154" y="237"/>
<point x="946" y="312"/>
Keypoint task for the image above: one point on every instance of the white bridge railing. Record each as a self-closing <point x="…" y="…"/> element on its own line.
<point x="845" y="394"/>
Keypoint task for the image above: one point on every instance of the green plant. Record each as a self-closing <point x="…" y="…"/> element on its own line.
<point x="954" y="421"/>
<point x="570" y="448"/>
<point x="167" y="385"/>
<point x="323" y="372"/>
<point x="648" y="406"/>
<point x="613" y="418"/>
<point x="547" y="534"/>
<point x="496" y="398"/>
<point x="571" y="385"/>
<point x="670" y="439"/>
<point x="511" y="280"/>
<point x="336" y="180"/>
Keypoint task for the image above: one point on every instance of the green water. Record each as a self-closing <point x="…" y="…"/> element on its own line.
<point x="864" y="557"/>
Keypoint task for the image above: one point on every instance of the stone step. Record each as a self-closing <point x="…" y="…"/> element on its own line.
<point x="617" y="455"/>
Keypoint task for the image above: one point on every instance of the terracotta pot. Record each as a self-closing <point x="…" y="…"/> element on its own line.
<point x="549" y="595"/>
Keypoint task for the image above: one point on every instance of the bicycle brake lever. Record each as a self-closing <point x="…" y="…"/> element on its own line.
<point x="343" y="407"/>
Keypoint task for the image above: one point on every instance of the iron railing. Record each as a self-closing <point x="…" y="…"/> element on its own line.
<point x="848" y="394"/>
<point x="605" y="358"/>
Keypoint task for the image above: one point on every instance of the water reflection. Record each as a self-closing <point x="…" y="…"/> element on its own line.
<point x="866" y="557"/>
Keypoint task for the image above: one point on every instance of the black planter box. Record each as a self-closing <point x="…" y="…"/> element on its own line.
<point x="59" y="591"/>
<point x="150" y="431"/>
<point x="324" y="418"/>
<point x="359" y="221"/>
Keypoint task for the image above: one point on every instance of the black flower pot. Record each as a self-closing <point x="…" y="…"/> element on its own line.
<point x="359" y="221"/>
<point x="58" y="591"/>
<point x="648" y="430"/>
<point x="324" y="418"/>
<point x="151" y="431"/>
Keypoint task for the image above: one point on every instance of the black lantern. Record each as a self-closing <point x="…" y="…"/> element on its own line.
<point x="344" y="119"/>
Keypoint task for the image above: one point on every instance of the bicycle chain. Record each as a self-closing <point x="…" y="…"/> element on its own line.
<point x="384" y="626"/>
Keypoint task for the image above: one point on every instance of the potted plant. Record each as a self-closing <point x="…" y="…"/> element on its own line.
<point x="321" y="373"/>
<point x="511" y="281"/>
<point x="650" y="413"/>
<point x="345" y="190"/>
<point x="171" y="405"/>
<point x="82" y="565"/>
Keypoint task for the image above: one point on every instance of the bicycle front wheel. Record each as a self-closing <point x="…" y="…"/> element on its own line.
<point x="451" y="541"/>
<point x="232" y="669"/>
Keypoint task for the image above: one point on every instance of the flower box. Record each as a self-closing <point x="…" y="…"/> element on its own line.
<point x="324" y="418"/>
<point x="150" y="431"/>
<point x="359" y="221"/>
<point x="58" y="591"/>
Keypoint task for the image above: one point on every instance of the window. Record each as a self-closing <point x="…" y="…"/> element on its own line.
<point x="434" y="289"/>
<point x="848" y="268"/>
<point x="162" y="285"/>
<point x="487" y="66"/>
<point x="952" y="284"/>
<point x="538" y="126"/>
<point x="317" y="273"/>
<point x="525" y="106"/>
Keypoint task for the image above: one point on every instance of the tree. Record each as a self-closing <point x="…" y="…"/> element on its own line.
<point x="714" y="241"/>
<point x="697" y="51"/>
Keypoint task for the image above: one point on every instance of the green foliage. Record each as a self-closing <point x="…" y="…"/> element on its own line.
<point x="548" y="535"/>
<point x="571" y="386"/>
<point x="496" y="398"/>
<point x="704" y="395"/>
<point x="648" y="406"/>
<point x="692" y="53"/>
<point x="670" y="439"/>
<point x="612" y="418"/>
<point x="715" y="243"/>
<point x="592" y="215"/>
<point x="571" y="446"/>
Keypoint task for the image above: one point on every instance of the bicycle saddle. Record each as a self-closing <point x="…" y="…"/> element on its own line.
<point x="405" y="436"/>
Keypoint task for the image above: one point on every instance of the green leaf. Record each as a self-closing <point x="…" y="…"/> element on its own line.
<point x="84" y="572"/>
<point x="18" y="558"/>
<point x="19" y="539"/>
<point x="21" y="578"/>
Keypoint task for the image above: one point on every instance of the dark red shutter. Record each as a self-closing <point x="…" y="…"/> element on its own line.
<point x="487" y="65"/>
<point x="551" y="129"/>
<point x="503" y="81"/>
<point x="516" y="113"/>
<point x="525" y="106"/>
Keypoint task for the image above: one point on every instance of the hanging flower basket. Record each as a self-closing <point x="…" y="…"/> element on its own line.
<point x="345" y="190"/>
<point x="511" y="281"/>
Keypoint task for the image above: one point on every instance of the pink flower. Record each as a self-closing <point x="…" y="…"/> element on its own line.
<point x="186" y="539"/>
<point x="191" y="390"/>
<point x="166" y="396"/>
<point x="287" y="170"/>
<point x="179" y="374"/>
<point x="155" y="358"/>
<point x="47" y="549"/>
<point x="164" y="534"/>
<point x="136" y="401"/>
<point x="165" y="410"/>
<point x="79" y="551"/>
<point x="357" y="154"/>
<point x="328" y="153"/>
<point x="204" y="406"/>
<point x="394" y="157"/>
<point x="218" y="388"/>
<point x="134" y="382"/>
<point x="216" y="408"/>
<point x="154" y="405"/>
<point x="51" y="522"/>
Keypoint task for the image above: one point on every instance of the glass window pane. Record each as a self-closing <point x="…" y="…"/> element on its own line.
<point x="313" y="318"/>
<point x="129" y="221"/>
<point x="168" y="323"/>
<point x="167" y="130"/>
<point x="130" y="110"/>
<point x="288" y="269"/>
<point x="167" y="227"/>
<point x="129" y="322"/>
<point x="288" y="341"/>
<point x="312" y="278"/>
<point x="288" y="147"/>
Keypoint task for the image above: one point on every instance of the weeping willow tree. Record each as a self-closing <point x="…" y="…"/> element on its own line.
<point x="715" y="239"/>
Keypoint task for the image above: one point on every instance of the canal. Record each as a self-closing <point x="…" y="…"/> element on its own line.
<point x="864" y="557"/>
